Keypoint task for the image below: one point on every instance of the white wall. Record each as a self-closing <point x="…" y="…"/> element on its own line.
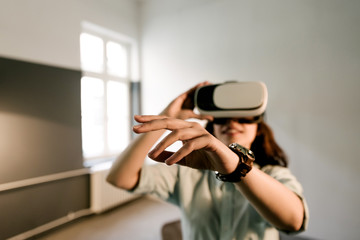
<point x="308" y="54"/>
<point x="47" y="31"/>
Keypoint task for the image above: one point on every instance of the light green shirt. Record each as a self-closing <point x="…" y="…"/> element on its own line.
<point x="211" y="209"/>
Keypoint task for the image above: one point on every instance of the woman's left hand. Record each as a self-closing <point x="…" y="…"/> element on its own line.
<point x="200" y="149"/>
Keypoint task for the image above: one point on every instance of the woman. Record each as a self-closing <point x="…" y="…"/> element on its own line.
<point x="267" y="198"/>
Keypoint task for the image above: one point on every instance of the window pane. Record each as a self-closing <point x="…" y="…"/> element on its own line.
<point x="92" y="111"/>
<point x="118" y="134"/>
<point x="118" y="115"/>
<point x="117" y="59"/>
<point x="118" y="99"/>
<point x="91" y="53"/>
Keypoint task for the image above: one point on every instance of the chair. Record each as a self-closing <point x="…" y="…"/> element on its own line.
<point x="171" y="231"/>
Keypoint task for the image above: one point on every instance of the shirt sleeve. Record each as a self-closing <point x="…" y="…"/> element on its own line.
<point x="285" y="176"/>
<point x="158" y="180"/>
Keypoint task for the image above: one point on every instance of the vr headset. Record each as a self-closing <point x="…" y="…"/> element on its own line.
<point x="232" y="99"/>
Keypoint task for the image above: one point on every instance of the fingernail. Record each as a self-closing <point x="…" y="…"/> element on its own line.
<point x="167" y="162"/>
<point x="137" y="126"/>
<point x="151" y="153"/>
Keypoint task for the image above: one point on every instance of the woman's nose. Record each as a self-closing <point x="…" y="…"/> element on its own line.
<point x="232" y="121"/>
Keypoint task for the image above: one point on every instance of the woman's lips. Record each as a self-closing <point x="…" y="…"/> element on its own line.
<point x="232" y="132"/>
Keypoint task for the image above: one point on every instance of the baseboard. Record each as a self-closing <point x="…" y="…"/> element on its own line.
<point x="53" y="224"/>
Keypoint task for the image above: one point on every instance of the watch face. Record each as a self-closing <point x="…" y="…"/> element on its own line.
<point x="238" y="147"/>
<point x="251" y="154"/>
<point x="242" y="149"/>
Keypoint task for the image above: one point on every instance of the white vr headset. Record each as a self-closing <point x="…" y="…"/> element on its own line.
<point x="232" y="99"/>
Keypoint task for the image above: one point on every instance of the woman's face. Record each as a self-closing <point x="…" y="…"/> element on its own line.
<point x="234" y="130"/>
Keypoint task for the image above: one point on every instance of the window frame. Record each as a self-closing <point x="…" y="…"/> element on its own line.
<point x="132" y="76"/>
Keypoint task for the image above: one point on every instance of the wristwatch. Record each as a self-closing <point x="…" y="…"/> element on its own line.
<point x="246" y="159"/>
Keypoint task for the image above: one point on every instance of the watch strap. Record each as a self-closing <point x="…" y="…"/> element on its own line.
<point x="246" y="159"/>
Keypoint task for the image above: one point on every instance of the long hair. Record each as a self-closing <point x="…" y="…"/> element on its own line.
<point x="265" y="148"/>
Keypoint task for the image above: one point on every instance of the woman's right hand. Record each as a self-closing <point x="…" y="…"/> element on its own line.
<point x="200" y="150"/>
<point x="182" y="107"/>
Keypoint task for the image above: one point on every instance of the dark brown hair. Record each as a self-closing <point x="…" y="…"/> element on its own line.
<point x="265" y="148"/>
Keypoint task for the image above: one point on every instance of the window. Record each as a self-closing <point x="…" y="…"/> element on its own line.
<point x="105" y="95"/>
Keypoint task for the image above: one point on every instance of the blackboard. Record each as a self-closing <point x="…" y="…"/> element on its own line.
<point x="40" y="120"/>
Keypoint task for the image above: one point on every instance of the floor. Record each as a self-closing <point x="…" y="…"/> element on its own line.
<point x="140" y="219"/>
<point x="129" y="221"/>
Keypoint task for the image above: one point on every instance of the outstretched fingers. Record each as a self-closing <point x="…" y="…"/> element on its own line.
<point x="154" y="123"/>
<point x="192" y="134"/>
<point x="188" y="147"/>
<point x="147" y="118"/>
<point x="184" y="135"/>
